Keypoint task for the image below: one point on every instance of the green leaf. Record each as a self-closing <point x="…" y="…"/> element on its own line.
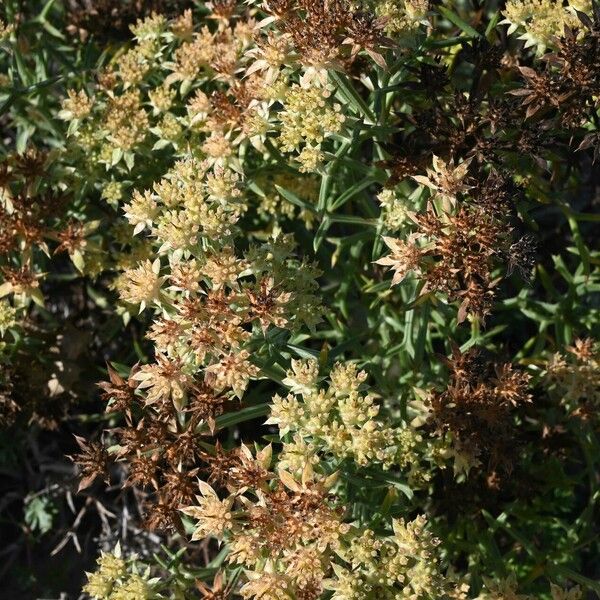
<point x="321" y="232"/>
<point x="39" y="514"/>
<point x="245" y="414"/>
<point x="352" y="97"/>
<point x="584" y="253"/>
<point x="350" y="193"/>
<point x="454" y="18"/>
<point x="352" y="220"/>
<point x="291" y="197"/>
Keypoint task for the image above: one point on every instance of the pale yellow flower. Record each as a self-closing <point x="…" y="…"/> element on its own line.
<point x="404" y="258"/>
<point x="213" y="516"/>
<point x="142" y="284"/>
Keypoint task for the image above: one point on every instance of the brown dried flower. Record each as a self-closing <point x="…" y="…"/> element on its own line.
<point x="92" y="462"/>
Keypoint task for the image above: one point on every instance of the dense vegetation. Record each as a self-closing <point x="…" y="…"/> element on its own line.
<point x="299" y="299"/>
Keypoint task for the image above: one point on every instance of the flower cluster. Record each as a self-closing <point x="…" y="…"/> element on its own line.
<point x="542" y="21"/>
<point x="5" y="30"/>
<point x="455" y="253"/>
<point x="508" y="588"/>
<point x="407" y="560"/>
<point x="305" y="120"/>
<point x="178" y="254"/>
<point x="8" y="317"/>
<point x="340" y="419"/>
<point x="291" y="534"/>
<point x="402" y="17"/>
<point x="476" y="410"/>
<point x="575" y="377"/>
<point x="119" y="579"/>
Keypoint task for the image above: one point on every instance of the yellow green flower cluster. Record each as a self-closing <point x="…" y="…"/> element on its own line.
<point x="118" y="579"/>
<point x="341" y="419"/>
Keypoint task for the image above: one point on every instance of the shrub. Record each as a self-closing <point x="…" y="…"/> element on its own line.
<point x="299" y="298"/>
